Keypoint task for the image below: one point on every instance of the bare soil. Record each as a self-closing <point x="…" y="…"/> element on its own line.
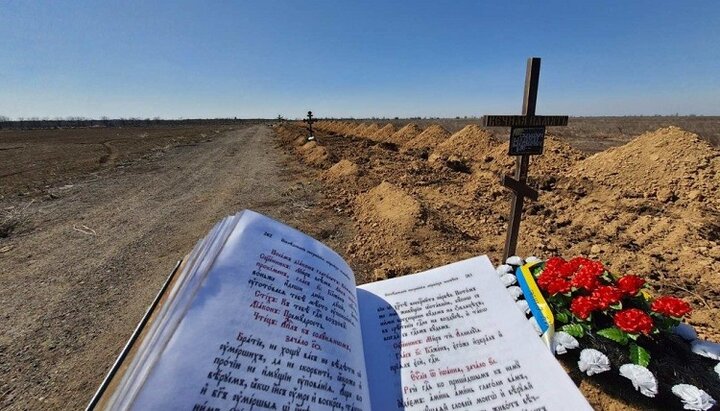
<point x="646" y="207"/>
<point x="94" y="219"/>
<point x="101" y="229"/>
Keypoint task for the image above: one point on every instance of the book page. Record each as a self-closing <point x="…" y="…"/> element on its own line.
<point x="274" y="325"/>
<point x="452" y="338"/>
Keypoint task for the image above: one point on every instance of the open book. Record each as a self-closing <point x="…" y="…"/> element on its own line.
<point x="262" y="317"/>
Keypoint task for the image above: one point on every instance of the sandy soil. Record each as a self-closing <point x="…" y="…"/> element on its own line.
<point x="643" y="207"/>
<point x="99" y="238"/>
<point x="100" y="216"/>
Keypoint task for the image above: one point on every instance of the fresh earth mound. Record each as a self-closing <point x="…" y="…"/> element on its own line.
<point x="472" y="143"/>
<point x="370" y="130"/>
<point x="405" y="134"/>
<point x="671" y="164"/>
<point x="430" y="138"/>
<point x="557" y="160"/>
<point x="358" y="131"/>
<point x="647" y="208"/>
<point x="314" y="154"/>
<point x="384" y="133"/>
<point x="341" y="170"/>
<point x="347" y="128"/>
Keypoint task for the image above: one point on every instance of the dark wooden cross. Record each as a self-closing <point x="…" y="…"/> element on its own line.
<point x="309" y="120"/>
<point x="527" y="135"/>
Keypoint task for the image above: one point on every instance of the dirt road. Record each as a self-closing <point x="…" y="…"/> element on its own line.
<point x="73" y="287"/>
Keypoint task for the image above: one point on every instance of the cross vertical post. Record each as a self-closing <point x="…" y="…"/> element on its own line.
<point x="527" y="135"/>
<point x="309" y="120"/>
<point x="532" y="77"/>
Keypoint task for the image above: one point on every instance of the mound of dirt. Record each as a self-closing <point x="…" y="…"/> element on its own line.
<point x="325" y="125"/>
<point x="337" y="127"/>
<point x="405" y="134"/>
<point x="647" y="208"/>
<point x="358" y="130"/>
<point x="556" y="161"/>
<point x="346" y="128"/>
<point x="384" y="133"/>
<point x="314" y="154"/>
<point x="390" y="205"/>
<point x="669" y="164"/>
<point x="430" y="138"/>
<point x="472" y="142"/>
<point x="370" y="130"/>
<point x="341" y="170"/>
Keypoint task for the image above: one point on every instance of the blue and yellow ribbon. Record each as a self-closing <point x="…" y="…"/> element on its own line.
<point x="538" y="306"/>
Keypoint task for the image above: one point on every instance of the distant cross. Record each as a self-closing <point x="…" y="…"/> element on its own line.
<point x="309" y="120"/>
<point x="527" y="135"/>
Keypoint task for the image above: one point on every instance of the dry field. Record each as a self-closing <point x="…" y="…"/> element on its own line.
<point x="93" y="219"/>
<point x="422" y="196"/>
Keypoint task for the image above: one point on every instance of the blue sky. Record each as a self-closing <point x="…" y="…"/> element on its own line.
<point x="356" y="58"/>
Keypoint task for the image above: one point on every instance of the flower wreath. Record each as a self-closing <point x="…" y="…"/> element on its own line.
<point x="618" y="323"/>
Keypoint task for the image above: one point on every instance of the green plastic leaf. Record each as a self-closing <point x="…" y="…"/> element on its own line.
<point x="563" y="316"/>
<point x="614" y="334"/>
<point x="617" y="306"/>
<point x="576" y="330"/>
<point x="639" y="355"/>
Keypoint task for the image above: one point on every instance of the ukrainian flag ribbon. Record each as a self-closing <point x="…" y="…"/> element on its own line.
<point x="538" y="306"/>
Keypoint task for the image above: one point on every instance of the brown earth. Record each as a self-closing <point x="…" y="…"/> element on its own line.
<point x="96" y="239"/>
<point x="341" y="170"/>
<point x="646" y="208"/>
<point x="472" y="143"/>
<point x="384" y="133"/>
<point x="97" y="218"/>
<point x="427" y="140"/>
<point x="405" y="134"/>
<point x="369" y="130"/>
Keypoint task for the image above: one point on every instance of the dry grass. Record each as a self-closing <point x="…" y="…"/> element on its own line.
<point x="13" y="217"/>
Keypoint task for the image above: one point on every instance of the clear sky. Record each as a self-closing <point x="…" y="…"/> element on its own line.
<point x="356" y="58"/>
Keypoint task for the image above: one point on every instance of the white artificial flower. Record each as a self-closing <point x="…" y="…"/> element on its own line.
<point x="593" y="362"/>
<point x="523" y="306"/>
<point x="508" y="280"/>
<point x="642" y="379"/>
<point x="686" y="332"/>
<point x="562" y="342"/>
<point x="515" y="291"/>
<point x="717" y="369"/>
<point x="535" y="325"/>
<point x="504" y="269"/>
<point x="514" y="260"/>
<point x="532" y="260"/>
<point x="693" y="398"/>
<point x="707" y="349"/>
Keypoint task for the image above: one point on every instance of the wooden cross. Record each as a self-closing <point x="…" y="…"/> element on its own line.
<point x="309" y="120"/>
<point x="527" y="135"/>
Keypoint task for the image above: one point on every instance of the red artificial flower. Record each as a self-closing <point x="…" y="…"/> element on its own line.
<point x="566" y="271"/>
<point x="670" y="306"/>
<point x="606" y="295"/>
<point x="558" y="285"/>
<point x="630" y="284"/>
<point x="582" y="307"/>
<point x="575" y="263"/>
<point x="545" y="279"/>
<point x="595" y="268"/>
<point x="585" y="279"/>
<point x="634" y="320"/>
<point x="554" y="263"/>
